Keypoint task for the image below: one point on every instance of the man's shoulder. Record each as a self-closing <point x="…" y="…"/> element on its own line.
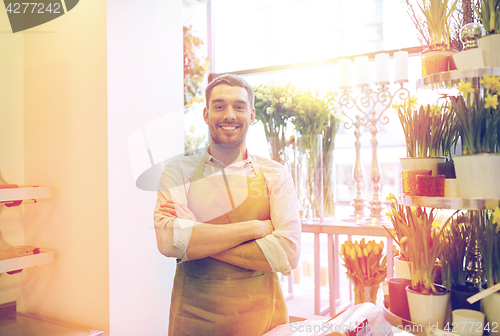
<point x="183" y="162"/>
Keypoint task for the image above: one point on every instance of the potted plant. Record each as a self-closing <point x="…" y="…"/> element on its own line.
<point x="490" y="44"/>
<point x="429" y="132"/>
<point x="478" y="122"/>
<point x="487" y="225"/>
<point x="427" y="300"/>
<point x="316" y="125"/>
<point x="397" y="216"/>
<point x="437" y="57"/>
<point x="456" y="239"/>
<point x="273" y="107"/>
<point x="366" y="266"/>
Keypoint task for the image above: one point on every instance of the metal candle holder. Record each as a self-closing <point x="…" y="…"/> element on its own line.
<point x="372" y="105"/>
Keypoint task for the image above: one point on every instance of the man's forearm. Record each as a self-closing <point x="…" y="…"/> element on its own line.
<point x="209" y="239"/>
<point x="247" y="255"/>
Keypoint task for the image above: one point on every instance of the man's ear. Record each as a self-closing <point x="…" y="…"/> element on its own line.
<point x="205" y="115"/>
<point x="252" y="115"/>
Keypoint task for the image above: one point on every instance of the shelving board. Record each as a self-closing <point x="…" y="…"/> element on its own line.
<point x="25" y="193"/>
<point x="450" y="79"/>
<point x="23" y="324"/>
<point x="446" y="202"/>
<point x="12" y="264"/>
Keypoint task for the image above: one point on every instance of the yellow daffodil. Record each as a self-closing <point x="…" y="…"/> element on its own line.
<point x="491" y="101"/>
<point x="360" y="254"/>
<point x="495" y="85"/>
<point x="365" y="252"/>
<point x="464" y="88"/>
<point x="435" y="111"/>
<point x="487" y="81"/>
<point x="411" y="102"/>
<point x="496" y="216"/>
<point x="492" y="204"/>
<point x="353" y="254"/>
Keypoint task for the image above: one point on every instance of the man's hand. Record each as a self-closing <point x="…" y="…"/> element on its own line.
<point x="175" y="210"/>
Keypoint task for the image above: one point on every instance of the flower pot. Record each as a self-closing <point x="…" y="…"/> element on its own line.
<point x="468" y="322"/>
<point x="447" y="169"/>
<point x="490" y="44"/>
<point x="469" y="59"/>
<point x="478" y="176"/>
<point x="459" y="295"/>
<point x="437" y="60"/>
<point x="398" y="300"/>
<point x="402" y="268"/>
<point x="422" y="163"/>
<point x="431" y="186"/>
<point x="410" y="181"/>
<point x="428" y="309"/>
<point x="491" y="305"/>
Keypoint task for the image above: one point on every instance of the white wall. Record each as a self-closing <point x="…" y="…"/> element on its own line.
<point x="145" y="84"/>
<point x="65" y="135"/>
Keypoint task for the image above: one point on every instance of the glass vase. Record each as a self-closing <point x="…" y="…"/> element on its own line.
<point x="276" y="145"/>
<point x="329" y="195"/>
<point x="366" y="293"/>
<point x="309" y="176"/>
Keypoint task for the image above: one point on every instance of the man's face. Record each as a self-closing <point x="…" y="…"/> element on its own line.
<point x="228" y="115"/>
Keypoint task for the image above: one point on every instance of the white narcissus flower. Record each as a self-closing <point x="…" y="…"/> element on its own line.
<point x="269" y="110"/>
<point x="259" y="95"/>
<point x="282" y="100"/>
<point x="267" y="91"/>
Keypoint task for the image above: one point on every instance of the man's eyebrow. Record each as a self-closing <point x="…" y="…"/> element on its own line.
<point x="223" y="101"/>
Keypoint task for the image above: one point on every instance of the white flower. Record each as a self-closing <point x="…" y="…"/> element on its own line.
<point x="267" y="91"/>
<point x="259" y="95"/>
<point x="282" y="100"/>
<point x="286" y="105"/>
<point x="269" y="110"/>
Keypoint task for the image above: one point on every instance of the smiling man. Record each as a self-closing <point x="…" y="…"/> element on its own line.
<point x="231" y="219"/>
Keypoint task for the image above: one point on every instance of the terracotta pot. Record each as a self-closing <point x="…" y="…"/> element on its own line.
<point x="437" y="60"/>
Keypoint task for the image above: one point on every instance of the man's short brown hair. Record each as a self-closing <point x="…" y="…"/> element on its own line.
<point x="232" y="80"/>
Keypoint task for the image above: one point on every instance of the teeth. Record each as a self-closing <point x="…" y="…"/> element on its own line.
<point x="228" y="128"/>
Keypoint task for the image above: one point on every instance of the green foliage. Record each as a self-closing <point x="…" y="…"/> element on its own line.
<point x="488" y="235"/>
<point x="195" y="69"/>
<point x="429" y="130"/>
<point x="437" y="14"/>
<point x="489" y="15"/>
<point x="455" y="241"/>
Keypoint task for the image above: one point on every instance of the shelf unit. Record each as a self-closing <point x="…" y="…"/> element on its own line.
<point x="451" y="79"/>
<point x="16" y="323"/>
<point x="25" y="193"/>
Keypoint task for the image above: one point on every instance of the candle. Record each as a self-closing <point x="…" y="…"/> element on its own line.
<point x="401" y="63"/>
<point x="344" y="72"/>
<point x="362" y="70"/>
<point x="382" y="66"/>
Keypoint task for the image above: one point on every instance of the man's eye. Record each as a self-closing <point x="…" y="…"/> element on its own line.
<point x="219" y="107"/>
<point x="240" y="107"/>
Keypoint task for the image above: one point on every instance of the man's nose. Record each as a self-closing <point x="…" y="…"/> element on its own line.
<point x="230" y="113"/>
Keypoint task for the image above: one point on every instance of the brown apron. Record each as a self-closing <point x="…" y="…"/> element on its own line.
<point x="211" y="297"/>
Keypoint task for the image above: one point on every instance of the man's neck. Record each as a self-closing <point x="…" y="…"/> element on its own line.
<point x="228" y="154"/>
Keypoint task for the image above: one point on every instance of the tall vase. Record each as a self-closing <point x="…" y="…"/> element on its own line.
<point x="276" y="145"/>
<point x="329" y="180"/>
<point x="309" y="176"/>
<point x="365" y="293"/>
